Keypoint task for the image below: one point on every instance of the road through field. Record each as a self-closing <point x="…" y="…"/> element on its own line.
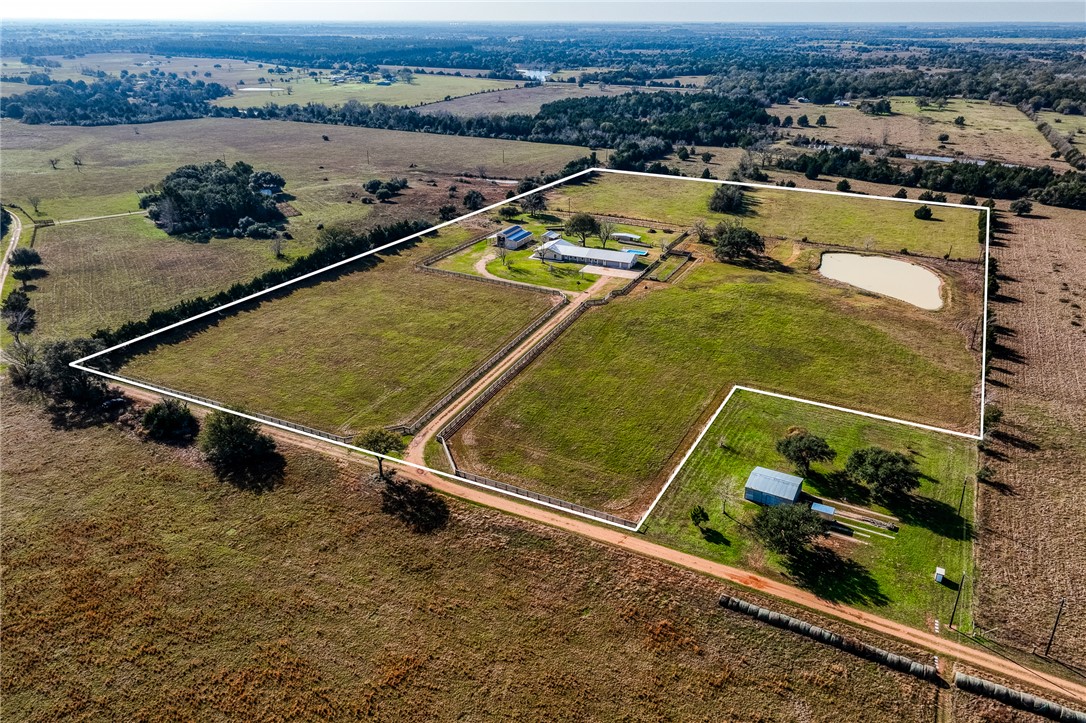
<point x="16" y="230"/>
<point x="637" y="544"/>
<point x="99" y="218"/>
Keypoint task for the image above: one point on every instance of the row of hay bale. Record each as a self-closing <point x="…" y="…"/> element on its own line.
<point x="897" y="662"/>
<point x="1018" y="699"/>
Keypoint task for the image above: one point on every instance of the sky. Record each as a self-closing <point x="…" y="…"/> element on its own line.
<point x="793" y="11"/>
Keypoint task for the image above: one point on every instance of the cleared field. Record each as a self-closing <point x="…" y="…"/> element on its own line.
<point x="603" y="413"/>
<point x="991" y="132"/>
<point x="1071" y="126"/>
<point x="103" y="273"/>
<point x="853" y="221"/>
<point x="519" y="100"/>
<point x="302" y="90"/>
<point x="370" y="348"/>
<point x="891" y="576"/>
<point x="309" y="603"/>
<point x="118" y="160"/>
<point x="1033" y="521"/>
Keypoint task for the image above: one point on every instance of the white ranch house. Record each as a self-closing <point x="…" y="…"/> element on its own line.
<point x="563" y="251"/>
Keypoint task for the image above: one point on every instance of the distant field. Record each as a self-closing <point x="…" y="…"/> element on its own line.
<point x="118" y="160"/>
<point x="370" y="348"/>
<point x="891" y="576"/>
<point x="103" y="273"/>
<point x="308" y="602"/>
<point x="1068" y="125"/>
<point x="854" y="221"/>
<point x="422" y="89"/>
<point x="519" y="100"/>
<point x="995" y="132"/>
<point x="596" y="419"/>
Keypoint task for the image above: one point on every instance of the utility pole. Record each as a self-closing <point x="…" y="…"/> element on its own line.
<point x="1059" y="614"/>
<point x="957" y="597"/>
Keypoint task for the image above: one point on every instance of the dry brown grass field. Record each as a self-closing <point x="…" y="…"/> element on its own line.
<point x="143" y="588"/>
<point x="1000" y="133"/>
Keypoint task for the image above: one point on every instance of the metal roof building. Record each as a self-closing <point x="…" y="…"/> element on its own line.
<point x="514" y="238"/>
<point x="562" y="250"/>
<point x="770" y="487"/>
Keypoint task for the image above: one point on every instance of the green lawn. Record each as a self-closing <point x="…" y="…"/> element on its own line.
<point x="855" y="221"/>
<point x="597" y="417"/>
<point x="895" y="576"/>
<point x="370" y="348"/>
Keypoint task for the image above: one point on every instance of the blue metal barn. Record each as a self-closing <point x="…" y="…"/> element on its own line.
<point x="770" y="487"/>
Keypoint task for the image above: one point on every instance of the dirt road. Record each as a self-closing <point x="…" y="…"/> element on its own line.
<point x="16" y="230"/>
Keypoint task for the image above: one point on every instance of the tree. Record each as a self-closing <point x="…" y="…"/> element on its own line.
<point x="46" y="369"/>
<point x="786" y="122"/>
<point x="890" y="474"/>
<point x="702" y="231"/>
<point x="788" y="529"/>
<point x="959" y="121"/>
<point x="382" y="441"/>
<point x="383" y="194"/>
<point x="19" y="315"/>
<point x="35" y="202"/>
<point x="706" y="157"/>
<point x="473" y="200"/>
<point x="54" y="163"/>
<point x="372" y="185"/>
<point x="901" y="193"/>
<point x="683" y="154"/>
<point x="582" y="225"/>
<point x="606" y="229"/>
<point x="821" y="122"/>
<point x="22" y="259"/>
<point x="728" y="199"/>
<point x="699" y="516"/>
<point x="923" y="213"/>
<point x="237" y="450"/>
<point x="801" y="448"/>
<point x="803" y="121"/>
<point x="1021" y="207"/>
<point x="844" y="186"/>
<point x="944" y="137"/>
<point x="534" y="204"/>
<point x="170" y="421"/>
<point x="732" y="240"/>
<point x="968" y="200"/>
<point x="447" y="212"/>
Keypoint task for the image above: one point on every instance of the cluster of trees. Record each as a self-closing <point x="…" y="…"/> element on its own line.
<point x="216" y="198"/>
<point x="730" y="239"/>
<point x="993" y="180"/>
<point x="890" y="475"/>
<point x="385" y="190"/>
<point x="43" y="369"/>
<point x="112" y="101"/>
<point x="17" y="313"/>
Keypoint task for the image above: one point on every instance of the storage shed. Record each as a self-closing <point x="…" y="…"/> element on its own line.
<point x="514" y="238"/>
<point x="770" y="487"/>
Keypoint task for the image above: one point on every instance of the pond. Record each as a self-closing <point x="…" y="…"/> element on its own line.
<point x="886" y="276"/>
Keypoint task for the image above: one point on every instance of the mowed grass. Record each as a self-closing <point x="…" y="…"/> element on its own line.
<point x="125" y="561"/>
<point x="518" y="267"/>
<point x="859" y="222"/>
<point x="103" y="273"/>
<point x="596" y="419"/>
<point x="519" y="100"/>
<point x="895" y="576"/>
<point x="370" y="348"/>
<point x="119" y="160"/>
<point x="302" y="90"/>
<point x="991" y="132"/>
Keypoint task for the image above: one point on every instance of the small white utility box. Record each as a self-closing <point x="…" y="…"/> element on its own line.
<point x="939" y="574"/>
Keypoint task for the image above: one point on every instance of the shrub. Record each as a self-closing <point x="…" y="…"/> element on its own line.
<point x="1021" y="207"/>
<point x="844" y="186"/>
<point x="170" y="421"/>
<point x="923" y="213"/>
<point x="728" y="199"/>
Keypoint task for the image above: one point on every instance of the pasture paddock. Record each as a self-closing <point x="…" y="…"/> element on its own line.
<point x="324" y="607"/>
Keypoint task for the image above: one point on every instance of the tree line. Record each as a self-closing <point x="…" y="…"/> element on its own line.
<point x="993" y="180"/>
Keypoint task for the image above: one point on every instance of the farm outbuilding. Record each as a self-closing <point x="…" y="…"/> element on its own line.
<point x="623" y="237"/>
<point x="770" y="487"/>
<point x="513" y="238"/>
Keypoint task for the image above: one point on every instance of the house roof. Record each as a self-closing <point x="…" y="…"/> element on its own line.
<point x="565" y="248"/>
<point x="772" y="482"/>
<point x="624" y="236"/>
<point x="516" y="233"/>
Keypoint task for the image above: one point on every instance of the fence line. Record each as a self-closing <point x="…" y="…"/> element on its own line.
<point x="345" y="438"/>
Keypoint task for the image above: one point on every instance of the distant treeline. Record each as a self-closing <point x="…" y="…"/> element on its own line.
<point x="640" y="126"/>
<point x="113" y="101"/>
<point x="992" y="180"/>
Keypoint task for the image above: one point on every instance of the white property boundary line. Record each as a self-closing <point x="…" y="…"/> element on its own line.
<point x="80" y="364"/>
